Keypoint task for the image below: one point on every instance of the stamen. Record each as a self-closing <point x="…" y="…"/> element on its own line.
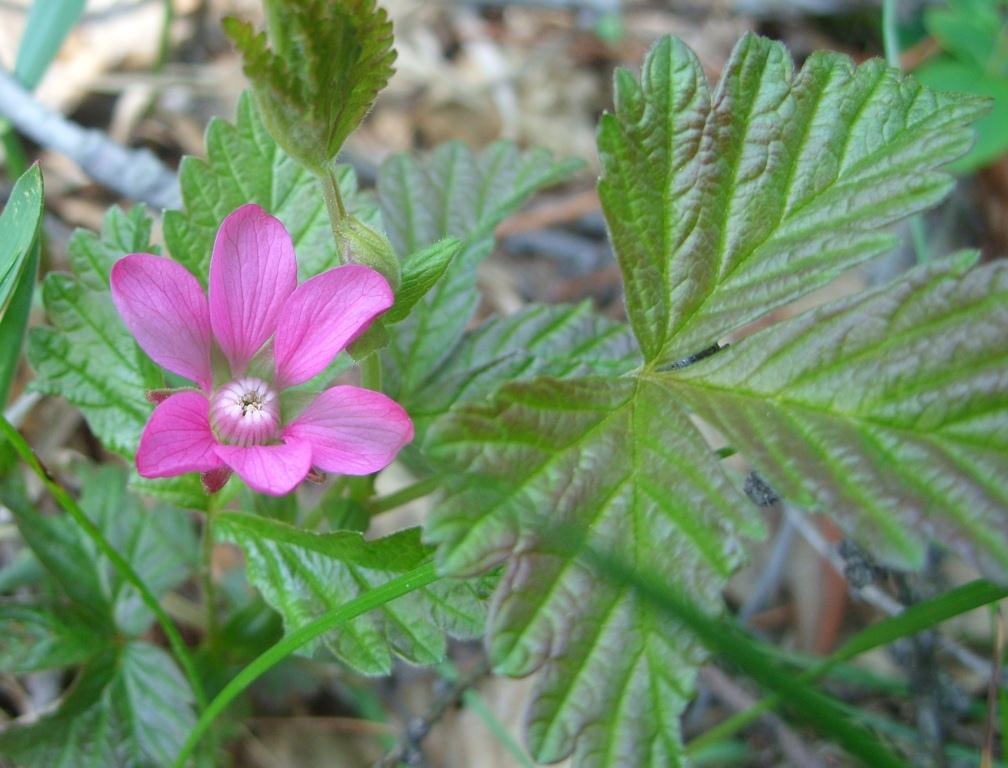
<point x="245" y="412"/>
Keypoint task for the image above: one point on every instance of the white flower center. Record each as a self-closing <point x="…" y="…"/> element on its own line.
<point x="245" y="412"/>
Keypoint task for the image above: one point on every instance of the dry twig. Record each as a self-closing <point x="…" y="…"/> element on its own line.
<point x="133" y="173"/>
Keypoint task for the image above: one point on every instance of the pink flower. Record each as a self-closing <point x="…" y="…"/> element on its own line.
<point x="259" y="334"/>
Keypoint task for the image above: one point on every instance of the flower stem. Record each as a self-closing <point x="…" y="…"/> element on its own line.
<point x="67" y="502"/>
<point x="332" y="495"/>
<point x="891" y="46"/>
<point x="390" y="590"/>
<point x="334" y="204"/>
<point x="371" y="373"/>
<point x="206" y="574"/>
<point x="417" y="490"/>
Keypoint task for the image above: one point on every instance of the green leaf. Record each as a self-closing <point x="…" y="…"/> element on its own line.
<point x="724" y="206"/>
<point x="49" y="22"/>
<point x="35" y="637"/>
<point x="92" y="255"/>
<point x="946" y="74"/>
<point x="129" y="708"/>
<point x="968" y="29"/>
<point x="361" y="244"/>
<point x="245" y="165"/>
<point x="303" y="575"/>
<point x="183" y="491"/>
<point x="89" y="358"/>
<point x="618" y="460"/>
<point x="888" y="410"/>
<point x="420" y="271"/>
<point x="20" y="226"/>
<point x="451" y="193"/>
<point x="561" y="341"/>
<point x="330" y="61"/>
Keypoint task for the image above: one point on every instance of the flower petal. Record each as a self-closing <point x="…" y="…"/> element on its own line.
<point x="322" y="316"/>
<point x="177" y="438"/>
<point x="272" y="469"/>
<point x="165" y="309"/>
<point x="352" y="431"/>
<point x="252" y="272"/>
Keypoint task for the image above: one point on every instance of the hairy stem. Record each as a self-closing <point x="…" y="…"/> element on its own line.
<point x="890" y="38"/>
<point x="334" y="204"/>
<point x="67" y="502"/>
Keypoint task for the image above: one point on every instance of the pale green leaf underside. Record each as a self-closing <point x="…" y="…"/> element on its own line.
<point x="303" y="575"/>
<point x="560" y="341"/>
<point x="723" y="206"/>
<point x="888" y="410"/>
<point x="618" y="458"/>
<point x="245" y="165"/>
<point x="129" y="708"/>
<point x="452" y="193"/>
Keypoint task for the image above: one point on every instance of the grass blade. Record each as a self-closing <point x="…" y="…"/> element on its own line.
<point x="20" y="224"/>
<point x="49" y="22"/>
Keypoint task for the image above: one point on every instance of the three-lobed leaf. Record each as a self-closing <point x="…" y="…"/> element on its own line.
<point x="723" y="206"/>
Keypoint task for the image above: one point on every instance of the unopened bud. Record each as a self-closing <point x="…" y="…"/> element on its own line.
<point x="364" y="245"/>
